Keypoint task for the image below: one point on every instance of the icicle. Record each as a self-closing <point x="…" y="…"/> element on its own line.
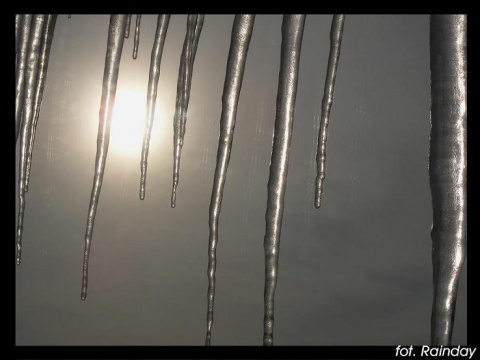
<point x="241" y="34"/>
<point x="136" y="38"/>
<point x="116" y="33"/>
<point x="189" y="72"/>
<point x="336" y="33"/>
<point x="24" y="36"/>
<point x="448" y="166"/>
<point x="194" y="28"/>
<point x="154" y="75"/>
<point x="18" y="26"/>
<point x="292" y="32"/>
<point x="69" y="16"/>
<point x="28" y="113"/>
<point x="127" y="27"/>
<point x="47" y="36"/>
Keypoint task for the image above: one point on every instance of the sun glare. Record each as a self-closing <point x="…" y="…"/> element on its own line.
<point x="128" y="122"/>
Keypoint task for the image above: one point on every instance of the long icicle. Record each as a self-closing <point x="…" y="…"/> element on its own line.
<point x="24" y="36"/>
<point x="136" y="38"/>
<point x="31" y="71"/>
<point x="116" y="34"/>
<point x="336" y="33"/>
<point x="154" y="75"/>
<point x="48" y="31"/>
<point x="448" y="166"/>
<point x="241" y="34"/>
<point x="194" y="28"/>
<point x="292" y="33"/>
<point x="127" y="27"/>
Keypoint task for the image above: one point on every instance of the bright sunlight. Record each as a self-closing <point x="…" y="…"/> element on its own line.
<point x="128" y="122"/>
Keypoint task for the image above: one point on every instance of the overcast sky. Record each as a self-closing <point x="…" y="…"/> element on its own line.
<point x="355" y="272"/>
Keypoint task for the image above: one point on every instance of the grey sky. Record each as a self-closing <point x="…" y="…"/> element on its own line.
<point x="355" y="272"/>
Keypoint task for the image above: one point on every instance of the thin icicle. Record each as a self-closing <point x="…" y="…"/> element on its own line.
<point x="18" y="26"/>
<point x="136" y="38"/>
<point x="31" y="71"/>
<point x="154" y="75"/>
<point x="241" y="34"/>
<point x="116" y="33"/>
<point x="448" y="166"/>
<point x="336" y="33"/>
<point x="194" y="28"/>
<point x="189" y="73"/>
<point x="24" y="36"/>
<point x="292" y="32"/>
<point x="127" y="27"/>
<point x="48" y="30"/>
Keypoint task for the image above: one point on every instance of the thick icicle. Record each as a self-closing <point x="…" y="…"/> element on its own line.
<point x="24" y="36"/>
<point x="48" y="30"/>
<point x="336" y="33"/>
<point x="116" y="33"/>
<point x="448" y="166"/>
<point x="194" y="28"/>
<point x="154" y="75"/>
<point x="241" y="34"/>
<point x="31" y="71"/>
<point x="127" y="27"/>
<point x="292" y="32"/>
<point x="136" y="38"/>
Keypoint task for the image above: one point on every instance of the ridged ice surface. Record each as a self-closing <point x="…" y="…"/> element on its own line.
<point x="127" y="27"/>
<point x="116" y="35"/>
<point x="154" y="75"/>
<point x="448" y="166"/>
<point x="47" y="36"/>
<point x="24" y="24"/>
<point x="336" y="34"/>
<point x="184" y="84"/>
<point x="292" y="33"/>
<point x="237" y="57"/>
<point x="136" y="38"/>
<point x="30" y="83"/>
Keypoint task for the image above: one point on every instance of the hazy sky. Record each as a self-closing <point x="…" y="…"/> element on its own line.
<point x="355" y="272"/>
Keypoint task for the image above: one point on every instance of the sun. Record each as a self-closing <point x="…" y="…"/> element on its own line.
<point x="128" y="122"/>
